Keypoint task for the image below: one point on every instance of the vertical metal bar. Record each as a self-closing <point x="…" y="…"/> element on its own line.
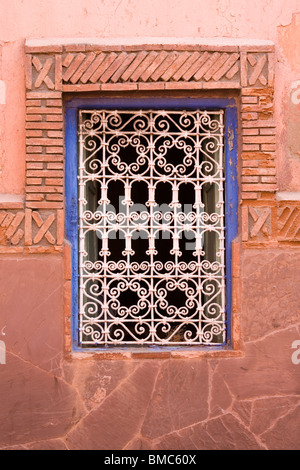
<point x="81" y="236"/>
<point x="105" y="231"/>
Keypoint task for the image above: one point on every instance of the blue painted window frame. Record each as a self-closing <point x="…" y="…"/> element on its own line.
<point x="72" y="106"/>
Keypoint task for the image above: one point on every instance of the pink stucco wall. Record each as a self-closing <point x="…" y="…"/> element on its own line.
<point x="47" y="401"/>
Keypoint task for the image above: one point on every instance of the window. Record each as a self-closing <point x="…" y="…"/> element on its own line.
<point x="153" y="207"/>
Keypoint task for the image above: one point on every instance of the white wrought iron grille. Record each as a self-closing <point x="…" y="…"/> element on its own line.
<point x="151" y="228"/>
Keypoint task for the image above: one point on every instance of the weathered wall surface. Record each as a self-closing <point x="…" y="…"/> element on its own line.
<point x="51" y="400"/>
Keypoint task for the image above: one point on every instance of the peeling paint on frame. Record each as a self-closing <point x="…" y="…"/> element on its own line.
<point x="231" y="186"/>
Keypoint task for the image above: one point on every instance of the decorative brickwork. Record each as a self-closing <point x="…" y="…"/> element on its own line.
<point x="52" y="70"/>
<point x="257" y="224"/>
<point x="27" y="230"/>
<point x="289" y="221"/>
<point x="94" y="68"/>
<point x="87" y="67"/>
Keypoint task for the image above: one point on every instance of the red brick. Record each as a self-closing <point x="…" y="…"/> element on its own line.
<point x="81" y="87"/>
<point x="55" y="166"/>
<point x="46" y="173"/>
<point x="119" y="86"/>
<point x="58" y="73"/>
<point x="267" y="131"/>
<point x="67" y="60"/>
<point x="33" y="181"/>
<point x="33" y="103"/>
<point x="246" y="196"/>
<point x="236" y="334"/>
<point x="33" y="117"/>
<point x="256" y="156"/>
<point x="43" y="189"/>
<point x="268" y="179"/>
<point x="250" y="179"/>
<point x="43" y="110"/>
<point x="43" y="95"/>
<point x="35" y="197"/>
<point x="184" y="85"/>
<point x="249" y="116"/>
<point x="269" y="196"/>
<point x="257" y="48"/>
<point x="250" y="163"/>
<point x="177" y="64"/>
<point x="34" y="166"/>
<point x="250" y="147"/>
<point x="133" y="66"/>
<point x="44" y="158"/>
<point x="34" y="133"/>
<point x="259" y="171"/>
<point x="31" y="149"/>
<point x="55" y="134"/>
<point x="54" y="103"/>
<point x="43" y="249"/>
<point x="89" y="59"/>
<point x="268" y="147"/>
<point x="43" y="49"/>
<point x="54" y="197"/>
<point x="268" y="163"/>
<point x="259" y="139"/>
<point x="28" y="71"/>
<point x="250" y="131"/>
<point x="76" y="62"/>
<point x="54" y="181"/>
<point x="44" y="125"/>
<point x="114" y="67"/>
<point x="44" y="205"/>
<point x="96" y="48"/>
<point x="54" y="150"/>
<point x="265" y="115"/>
<point x="257" y="91"/>
<point x="259" y="123"/>
<point x="44" y="141"/>
<point x="249" y="99"/>
<point x="259" y="187"/>
<point x="119" y="72"/>
<point x="54" y="117"/>
<point x="11" y="205"/>
<point x="221" y="85"/>
<point x="75" y="48"/>
<point x="255" y="108"/>
<point x="152" y="86"/>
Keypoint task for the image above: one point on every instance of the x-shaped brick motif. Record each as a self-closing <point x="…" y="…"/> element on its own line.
<point x="258" y="65"/>
<point x="43" y="72"/>
<point x="260" y="222"/>
<point x="43" y="228"/>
